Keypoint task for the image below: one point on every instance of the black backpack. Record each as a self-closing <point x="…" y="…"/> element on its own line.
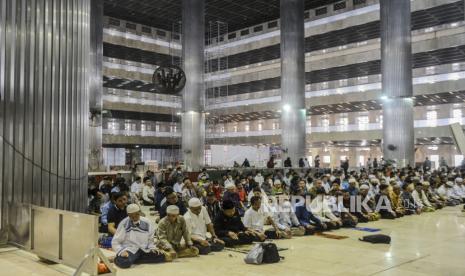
<point x="378" y="238"/>
<point x="270" y="253"/>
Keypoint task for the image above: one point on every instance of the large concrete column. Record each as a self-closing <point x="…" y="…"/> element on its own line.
<point x="44" y="106"/>
<point x="193" y="118"/>
<point x="293" y="113"/>
<point x="396" y="68"/>
<point x="96" y="86"/>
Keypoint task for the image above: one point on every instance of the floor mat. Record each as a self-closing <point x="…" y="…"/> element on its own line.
<point x="331" y="236"/>
<point x="367" y="229"/>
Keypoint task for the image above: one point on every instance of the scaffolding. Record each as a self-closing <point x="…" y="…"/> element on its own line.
<point x="216" y="58"/>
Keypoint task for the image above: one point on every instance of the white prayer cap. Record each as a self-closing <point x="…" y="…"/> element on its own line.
<point x="194" y="202"/>
<point x="371" y="176"/>
<point x="364" y="187"/>
<point x="172" y="210"/>
<point x="132" y="208"/>
<point x="277" y="181"/>
<point x="230" y="186"/>
<point x="332" y="178"/>
<point x="374" y="180"/>
<point x="352" y="180"/>
<point x="449" y="183"/>
<point x="458" y="179"/>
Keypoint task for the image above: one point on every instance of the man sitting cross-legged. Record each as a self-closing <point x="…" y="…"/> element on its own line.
<point x="255" y="218"/>
<point x="285" y="217"/>
<point x="198" y="223"/>
<point x="229" y="227"/>
<point x="171" y="229"/>
<point x="133" y="241"/>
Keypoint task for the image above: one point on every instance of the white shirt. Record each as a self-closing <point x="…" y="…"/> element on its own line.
<point x="137" y="187"/>
<point x="255" y="220"/>
<point x="147" y="192"/>
<point x="131" y="237"/>
<point x="425" y="200"/>
<point x="228" y="181"/>
<point x="177" y="187"/>
<point x="197" y="224"/>
<point x="259" y="179"/>
<point x="417" y="199"/>
<point x="320" y="208"/>
<point x="458" y="192"/>
<point x="285" y="218"/>
<point x="446" y="192"/>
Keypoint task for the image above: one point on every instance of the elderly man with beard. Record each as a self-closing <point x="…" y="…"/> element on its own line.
<point x="198" y="223"/>
<point x="133" y="241"/>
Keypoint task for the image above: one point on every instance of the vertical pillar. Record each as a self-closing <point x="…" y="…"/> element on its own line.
<point x="193" y="117"/>
<point x="396" y="69"/>
<point x="293" y="113"/>
<point x="96" y="86"/>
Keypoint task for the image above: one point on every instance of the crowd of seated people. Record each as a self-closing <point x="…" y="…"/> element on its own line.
<point x="245" y="206"/>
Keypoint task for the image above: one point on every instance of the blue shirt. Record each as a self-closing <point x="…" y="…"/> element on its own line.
<point x="104" y="212"/>
<point x="304" y="216"/>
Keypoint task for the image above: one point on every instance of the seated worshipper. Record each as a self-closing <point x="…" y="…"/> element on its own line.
<point x="277" y="188"/>
<point x="336" y="204"/>
<point x="429" y="196"/>
<point x="159" y="195"/>
<point x="171" y="229"/>
<point x="213" y="206"/>
<point x="136" y="189"/>
<point x="446" y="193"/>
<point x="103" y="219"/>
<point x="353" y="187"/>
<point x="267" y="185"/>
<point x="171" y="199"/>
<point x="259" y="179"/>
<point x="232" y="195"/>
<point x="228" y="180"/>
<point x="96" y="203"/>
<point x="306" y="218"/>
<point x="203" y="174"/>
<point x="198" y="223"/>
<point x="407" y="200"/>
<point x="229" y="227"/>
<point x="120" y="186"/>
<point x="318" y="183"/>
<point x="177" y="187"/>
<point x="396" y="201"/>
<point x="383" y="203"/>
<point x="188" y="190"/>
<point x="365" y="215"/>
<point x="417" y="195"/>
<point x="148" y="192"/>
<point x="133" y="241"/>
<point x="374" y="187"/>
<point x="285" y="218"/>
<point x="255" y="218"/>
<point x="320" y="208"/>
<point x="105" y="187"/>
<point x="459" y="190"/>
<point x="241" y="191"/>
<point x="117" y="212"/>
<point x="217" y="189"/>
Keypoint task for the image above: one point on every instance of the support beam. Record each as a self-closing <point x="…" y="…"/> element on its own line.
<point x="293" y="113"/>
<point x="96" y="87"/>
<point x="193" y="117"/>
<point x="396" y="68"/>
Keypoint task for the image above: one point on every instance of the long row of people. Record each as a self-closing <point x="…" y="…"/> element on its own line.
<point x="198" y="218"/>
